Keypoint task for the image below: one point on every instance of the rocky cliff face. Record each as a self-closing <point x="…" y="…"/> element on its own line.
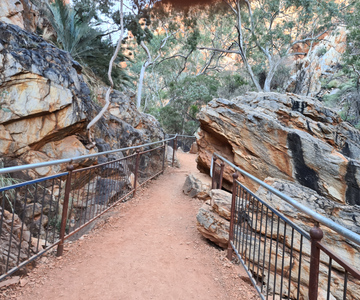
<point x="284" y="136"/>
<point x="21" y="13"/>
<point x="45" y="105"/>
<point x="320" y="64"/>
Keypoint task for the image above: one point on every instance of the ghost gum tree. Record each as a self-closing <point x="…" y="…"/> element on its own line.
<point x="157" y="28"/>
<point x="268" y="31"/>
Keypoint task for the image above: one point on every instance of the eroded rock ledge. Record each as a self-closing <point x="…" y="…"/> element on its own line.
<point x="285" y="136"/>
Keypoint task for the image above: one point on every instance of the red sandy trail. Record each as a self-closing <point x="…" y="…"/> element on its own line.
<point x="147" y="248"/>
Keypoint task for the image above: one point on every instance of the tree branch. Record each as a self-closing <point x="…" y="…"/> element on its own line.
<point x="111" y="63"/>
<point x="218" y="50"/>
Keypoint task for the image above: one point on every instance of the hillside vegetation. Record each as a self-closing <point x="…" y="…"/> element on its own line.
<point x="177" y="57"/>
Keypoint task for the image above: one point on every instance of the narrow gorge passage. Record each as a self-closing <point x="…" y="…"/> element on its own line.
<point x="147" y="248"/>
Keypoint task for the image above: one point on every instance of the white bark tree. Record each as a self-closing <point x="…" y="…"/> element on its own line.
<point x="269" y="30"/>
<point x="148" y="63"/>
<point x="111" y="64"/>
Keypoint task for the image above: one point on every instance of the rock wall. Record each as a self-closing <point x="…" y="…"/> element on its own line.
<point x="46" y="105"/>
<point x="283" y="136"/>
<point x="22" y="13"/>
<point x="322" y="62"/>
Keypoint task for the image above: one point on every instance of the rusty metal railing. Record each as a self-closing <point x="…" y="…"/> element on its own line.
<point x="281" y="258"/>
<point x="40" y="214"/>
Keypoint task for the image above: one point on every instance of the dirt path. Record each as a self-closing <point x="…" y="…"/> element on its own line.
<point x="147" y="248"/>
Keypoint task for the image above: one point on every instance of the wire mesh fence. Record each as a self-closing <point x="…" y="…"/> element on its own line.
<point x="286" y="259"/>
<point x="29" y="220"/>
<point x="39" y="214"/>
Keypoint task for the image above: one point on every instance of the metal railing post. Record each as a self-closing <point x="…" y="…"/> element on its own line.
<point x="213" y="173"/>
<point x="316" y="235"/>
<point x="137" y="162"/>
<point x="163" y="162"/>
<point x="222" y="166"/>
<point x="232" y="217"/>
<point x="174" y="149"/>
<point x="60" y="247"/>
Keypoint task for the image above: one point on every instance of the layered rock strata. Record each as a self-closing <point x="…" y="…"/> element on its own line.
<point x="283" y="136"/>
<point x="45" y="105"/>
<point x="213" y="218"/>
<point x="22" y="13"/>
<point x="311" y="155"/>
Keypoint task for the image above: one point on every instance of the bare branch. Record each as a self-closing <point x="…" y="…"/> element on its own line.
<point x="218" y="50"/>
<point x="111" y="63"/>
<point x="184" y="66"/>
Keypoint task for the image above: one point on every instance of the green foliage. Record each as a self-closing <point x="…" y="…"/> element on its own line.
<point x="7" y="180"/>
<point x="137" y="24"/>
<point x="97" y="9"/>
<point x="73" y="35"/>
<point x="352" y="54"/>
<point x="333" y="84"/>
<point x="321" y="51"/>
<point x="193" y="39"/>
<point x="346" y="100"/>
<point x="280" y="78"/>
<point x="138" y="20"/>
<point x="85" y="43"/>
<point x="186" y="98"/>
<point x="232" y="85"/>
<point x="267" y="33"/>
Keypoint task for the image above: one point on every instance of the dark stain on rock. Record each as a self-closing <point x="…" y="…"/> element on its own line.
<point x="353" y="190"/>
<point x="298" y="105"/>
<point x="346" y="150"/>
<point x="303" y="174"/>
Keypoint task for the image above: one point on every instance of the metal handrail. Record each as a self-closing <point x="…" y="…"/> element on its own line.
<point x="329" y="223"/>
<point x="182" y="135"/>
<point x="72" y="159"/>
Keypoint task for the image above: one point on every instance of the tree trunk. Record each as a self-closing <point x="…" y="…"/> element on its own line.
<point x="140" y="84"/>
<point x="272" y="69"/>
<point x="111" y="63"/>
<point x="253" y="77"/>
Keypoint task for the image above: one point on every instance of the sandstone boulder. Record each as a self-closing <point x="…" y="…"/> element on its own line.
<point x="195" y="188"/>
<point x="221" y="203"/>
<point x="43" y="97"/>
<point x="344" y="215"/>
<point x="212" y="226"/>
<point x="286" y="136"/>
<point x="45" y="101"/>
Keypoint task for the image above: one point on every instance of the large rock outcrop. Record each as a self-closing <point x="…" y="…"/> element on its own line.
<point x="313" y="156"/>
<point x="45" y="105"/>
<point x="284" y="136"/>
